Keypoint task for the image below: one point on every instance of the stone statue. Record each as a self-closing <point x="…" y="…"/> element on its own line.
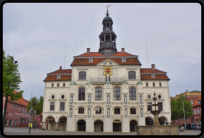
<point x="89" y="99"/>
<point x="125" y="98"/>
<point x="141" y="111"/>
<point x="108" y="98"/>
<point x="126" y="112"/>
<point x="108" y="79"/>
<point x="108" y="7"/>
<point x="71" y="98"/>
<point x="141" y="99"/>
<point x="89" y="111"/>
<point x="71" y="111"/>
<point x="108" y="111"/>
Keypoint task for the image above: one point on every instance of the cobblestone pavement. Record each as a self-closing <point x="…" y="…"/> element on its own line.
<point x="25" y="131"/>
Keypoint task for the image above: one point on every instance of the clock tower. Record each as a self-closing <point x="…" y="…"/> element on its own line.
<point x="107" y="37"/>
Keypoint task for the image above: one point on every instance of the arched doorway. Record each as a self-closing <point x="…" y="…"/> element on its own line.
<point x="98" y="126"/>
<point x="162" y="120"/>
<point x="50" y="123"/>
<point x="149" y="121"/>
<point x="81" y="125"/>
<point x="62" y="123"/>
<point x="133" y="125"/>
<point x="117" y="126"/>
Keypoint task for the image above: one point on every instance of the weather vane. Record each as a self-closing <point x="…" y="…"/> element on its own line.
<point x="108" y="7"/>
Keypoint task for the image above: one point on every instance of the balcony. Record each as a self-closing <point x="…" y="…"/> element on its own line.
<point x="113" y="80"/>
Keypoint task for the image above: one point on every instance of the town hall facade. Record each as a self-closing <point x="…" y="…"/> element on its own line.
<point x="105" y="91"/>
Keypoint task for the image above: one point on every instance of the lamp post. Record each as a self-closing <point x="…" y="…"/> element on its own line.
<point x="30" y="112"/>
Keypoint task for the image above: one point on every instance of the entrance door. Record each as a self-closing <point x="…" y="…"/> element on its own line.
<point x="115" y="126"/>
<point x="132" y="127"/>
<point x="81" y="126"/>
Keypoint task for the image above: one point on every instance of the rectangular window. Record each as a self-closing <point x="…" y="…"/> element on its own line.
<point x="160" y="106"/>
<point x="81" y="111"/>
<point x="153" y="84"/>
<point x="9" y="114"/>
<point x="98" y="94"/>
<point x="98" y="110"/>
<point x="14" y="105"/>
<point x="191" y="101"/>
<point x="90" y="60"/>
<point x="116" y="93"/>
<point x="195" y="111"/>
<point x="52" y="84"/>
<point x="187" y="120"/>
<point x="133" y="111"/>
<point x="52" y="106"/>
<point x="149" y="106"/>
<point x="63" y="84"/>
<point x="117" y="110"/>
<point x="57" y="84"/>
<point x="181" y="120"/>
<point x="198" y="111"/>
<point x="132" y="93"/>
<point x="176" y="121"/>
<point x="160" y="84"/>
<point x="62" y="104"/>
<point x="146" y="84"/>
<point x="22" y="120"/>
<point x="81" y="94"/>
<point x="58" y="76"/>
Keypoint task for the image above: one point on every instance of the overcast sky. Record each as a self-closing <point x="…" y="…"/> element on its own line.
<point x="36" y="36"/>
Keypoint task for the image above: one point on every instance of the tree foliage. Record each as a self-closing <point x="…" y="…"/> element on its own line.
<point x="177" y="108"/>
<point x="11" y="81"/>
<point x="37" y="104"/>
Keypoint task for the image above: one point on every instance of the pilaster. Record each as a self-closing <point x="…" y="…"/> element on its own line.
<point x="89" y="124"/>
<point x="108" y="125"/>
<point x="125" y="124"/>
<point x="71" y="123"/>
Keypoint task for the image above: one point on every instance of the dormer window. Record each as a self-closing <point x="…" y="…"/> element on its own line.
<point x="153" y="75"/>
<point x="58" y="76"/>
<point x="123" y="59"/>
<point x="90" y="60"/>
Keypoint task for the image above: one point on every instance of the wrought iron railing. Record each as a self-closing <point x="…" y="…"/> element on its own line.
<point x="103" y="80"/>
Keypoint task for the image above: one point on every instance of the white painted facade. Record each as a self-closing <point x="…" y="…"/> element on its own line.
<point x="96" y="71"/>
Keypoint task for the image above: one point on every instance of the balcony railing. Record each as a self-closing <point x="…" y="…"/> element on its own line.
<point x="113" y="80"/>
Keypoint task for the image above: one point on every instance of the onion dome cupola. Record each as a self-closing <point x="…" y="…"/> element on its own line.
<point x="107" y="37"/>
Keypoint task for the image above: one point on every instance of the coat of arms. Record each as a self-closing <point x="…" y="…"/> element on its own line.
<point x="107" y="70"/>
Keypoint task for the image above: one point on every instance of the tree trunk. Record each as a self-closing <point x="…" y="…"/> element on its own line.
<point x="5" y="108"/>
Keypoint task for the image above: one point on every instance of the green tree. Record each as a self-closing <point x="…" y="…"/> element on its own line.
<point x="174" y="110"/>
<point x="11" y="81"/>
<point x="37" y="104"/>
<point x="187" y="108"/>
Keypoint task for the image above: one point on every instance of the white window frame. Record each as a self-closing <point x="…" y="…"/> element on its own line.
<point x="90" y="60"/>
<point x="191" y="101"/>
<point x="198" y="111"/>
<point x="58" y="76"/>
<point x="153" y="75"/>
<point x="195" y="111"/>
<point x="123" y="60"/>
<point x="187" y="119"/>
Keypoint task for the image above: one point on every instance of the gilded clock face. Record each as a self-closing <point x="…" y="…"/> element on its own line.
<point x="107" y="70"/>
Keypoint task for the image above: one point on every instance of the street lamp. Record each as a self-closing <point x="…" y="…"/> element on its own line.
<point x="30" y="112"/>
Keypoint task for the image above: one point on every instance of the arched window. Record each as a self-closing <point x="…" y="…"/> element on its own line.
<point x="81" y="110"/>
<point x="98" y="94"/>
<point x="117" y="111"/>
<point x="81" y="94"/>
<point x="132" y="92"/>
<point x="132" y="110"/>
<point x="131" y="75"/>
<point x="82" y="75"/>
<point x="116" y="93"/>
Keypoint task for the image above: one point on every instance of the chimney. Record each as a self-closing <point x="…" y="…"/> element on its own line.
<point x="153" y="66"/>
<point x="60" y="67"/>
<point x="123" y="50"/>
<point x="88" y="50"/>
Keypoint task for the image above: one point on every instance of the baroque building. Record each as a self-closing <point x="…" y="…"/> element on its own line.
<point x="104" y="91"/>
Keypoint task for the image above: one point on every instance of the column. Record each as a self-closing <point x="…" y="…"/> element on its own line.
<point x="108" y="125"/>
<point x="43" y="125"/>
<point x="89" y="124"/>
<point x="56" y="125"/>
<point x="71" y="123"/>
<point x="125" y="124"/>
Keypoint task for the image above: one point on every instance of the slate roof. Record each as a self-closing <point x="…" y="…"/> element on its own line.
<point x="61" y="71"/>
<point x="19" y="101"/>
<point x="54" y="78"/>
<point x="157" y="77"/>
<point x="97" y="54"/>
<point x="150" y="70"/>
<point x="85" y="61"/>
<point x="196" y="102"/>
